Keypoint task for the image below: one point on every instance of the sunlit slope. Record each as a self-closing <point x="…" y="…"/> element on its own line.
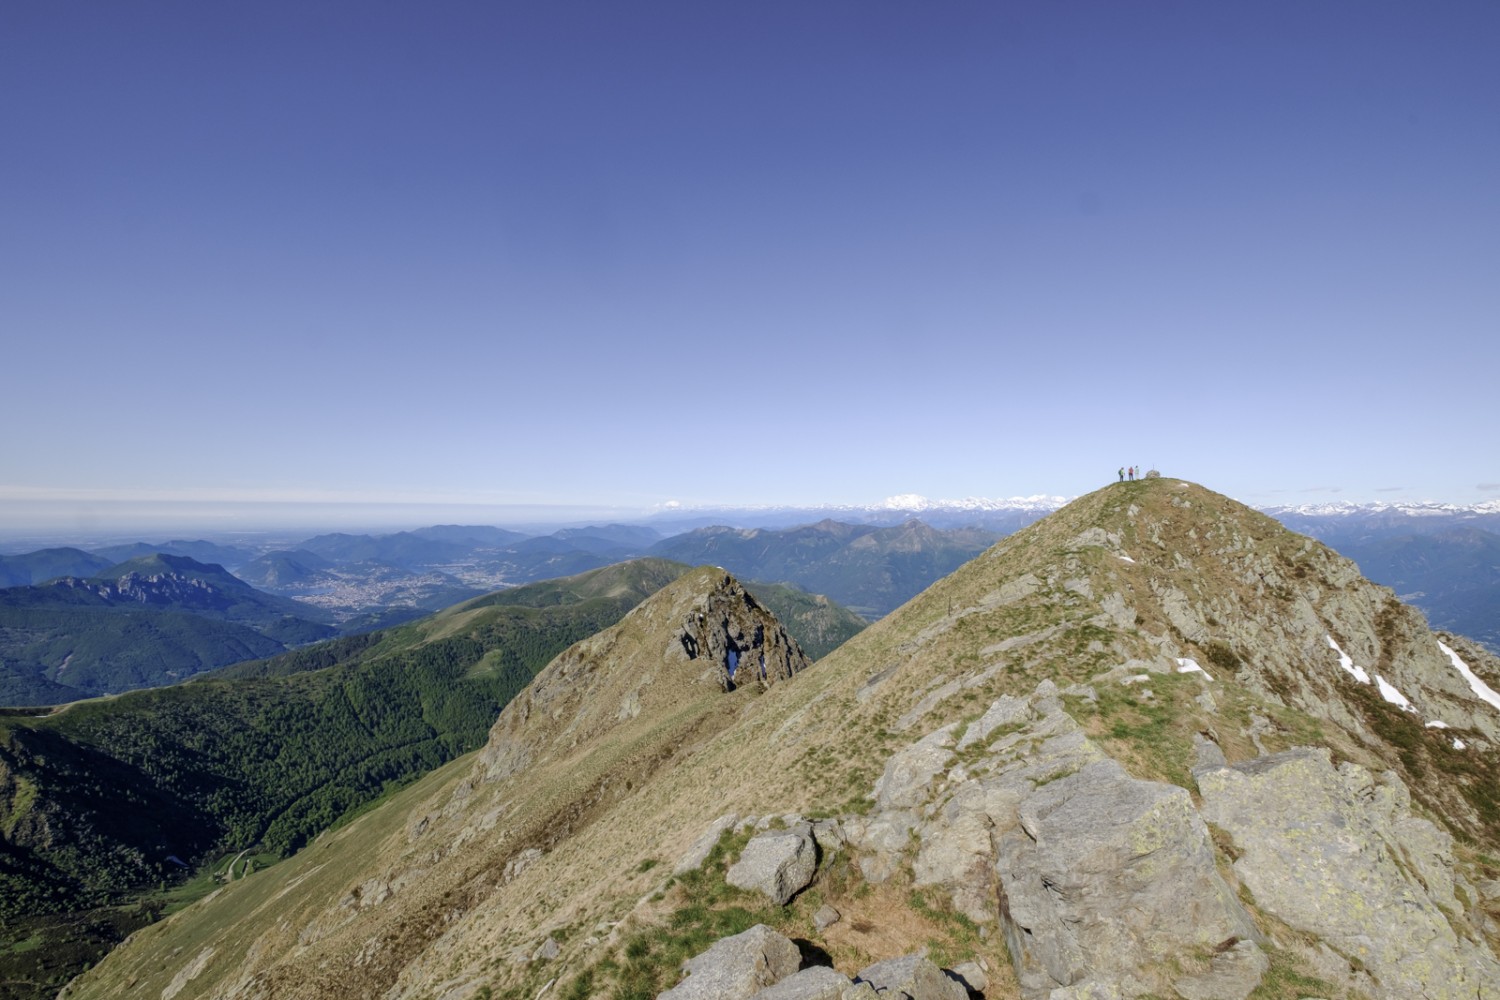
<point x="1081" y="631"/>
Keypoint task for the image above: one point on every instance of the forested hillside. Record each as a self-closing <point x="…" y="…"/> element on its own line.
<point x="109" y="801"/>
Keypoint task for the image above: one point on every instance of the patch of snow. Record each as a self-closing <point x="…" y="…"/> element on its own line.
<point x="1124" y="558"/>
<point x="1459" y="744"/>
<point x="1390" y="694"/>
<point x="1437" y="725"/>
<point x="1137" y="679"/>
<point x="1188" y="665"/>
<point x="1476" y="685"/>
<point x="1358" y="673"/>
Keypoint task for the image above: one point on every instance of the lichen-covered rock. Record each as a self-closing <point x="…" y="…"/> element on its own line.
<point x="1232" y="975"/>
<point x="1105" y="875"/>
<point x="738" y="967"/>
<point x="779" y="863"/>
<point x="1338" y="853"/>
<point x="915" y="976"/>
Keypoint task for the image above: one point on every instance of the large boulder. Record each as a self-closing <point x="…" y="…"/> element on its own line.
<point x="779" y="863"/>
<point x="1337" y="852"/>
<point x="738" y="967"/>
<point x="1106" y="875"/>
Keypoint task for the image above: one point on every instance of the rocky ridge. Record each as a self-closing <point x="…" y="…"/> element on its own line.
<point x="1152" y="745"/>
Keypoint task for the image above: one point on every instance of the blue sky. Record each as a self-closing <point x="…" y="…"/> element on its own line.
<point x="620" y="254"/>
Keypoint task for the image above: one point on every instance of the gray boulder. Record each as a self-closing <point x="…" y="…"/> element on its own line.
<point x="1106" y="875"/>
<point x="738" y="967"/>
<point x="816" y="983"/>
<point x="1337" y="852"/>
<point x="915" y="976"/>
<point x="779" y="863"/>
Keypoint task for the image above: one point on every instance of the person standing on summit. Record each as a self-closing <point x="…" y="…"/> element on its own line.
<point x="1122" y="473"/>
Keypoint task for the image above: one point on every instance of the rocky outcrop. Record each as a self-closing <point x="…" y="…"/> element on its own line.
<point x="727" y="628"/>
<point x="737" y="967"/>
<point x="702" y="633"/>
<point x="1336" y="851"/>
<point x="1103" y="875"/>
<point x="1091" y="874"/>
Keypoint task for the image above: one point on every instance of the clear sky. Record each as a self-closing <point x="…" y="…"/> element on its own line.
<point x="619" y="254"/>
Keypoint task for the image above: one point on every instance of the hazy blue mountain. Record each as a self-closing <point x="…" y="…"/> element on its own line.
<point x="47" y="564"/>
<point x="868" y="569"/>
<point x="280" y="569"/>
<point x="147" y="621"/>
<point x="405" y="549"/>
<point x="473" y="535"/>
<point x="230" y="556"/>
<point x="627" y="535"/>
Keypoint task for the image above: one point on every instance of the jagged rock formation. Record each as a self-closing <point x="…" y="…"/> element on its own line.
<point x="706" y="634"/>
<point x="1152" y="745"/>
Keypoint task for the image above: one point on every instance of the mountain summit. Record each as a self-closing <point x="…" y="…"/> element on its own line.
<point x="1153" y="744"/>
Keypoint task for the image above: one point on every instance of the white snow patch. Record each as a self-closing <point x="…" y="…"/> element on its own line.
<point x="1459" y="744"/>
<point x="1188" y="665"/>
<point x="1390" y="694"/>
<point x="1124" y="558"/>
<point x="1476" y="685"/>
<point x="1347" y="663"/>
<point x="1437" y="724"/>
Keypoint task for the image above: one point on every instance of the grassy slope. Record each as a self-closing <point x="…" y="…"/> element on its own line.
<point x="613" y="815"/>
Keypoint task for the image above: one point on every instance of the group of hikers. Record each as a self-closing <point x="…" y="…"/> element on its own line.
<point x="1130" y="472"/>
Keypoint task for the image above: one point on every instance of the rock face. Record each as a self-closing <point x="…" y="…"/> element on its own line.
<point x="1105" y="873"/>
<point x="737" y="967"/>
<point x="728" y="629"/>
<point x="1337" y="852"/>
<point x="1097" y="875"/>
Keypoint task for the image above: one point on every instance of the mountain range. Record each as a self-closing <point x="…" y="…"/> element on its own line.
<point x="1154" y="744"/>
<point x="150" y="620"/>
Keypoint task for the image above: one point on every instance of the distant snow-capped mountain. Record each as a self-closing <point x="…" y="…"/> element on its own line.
<point x="1420" y="508"/>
